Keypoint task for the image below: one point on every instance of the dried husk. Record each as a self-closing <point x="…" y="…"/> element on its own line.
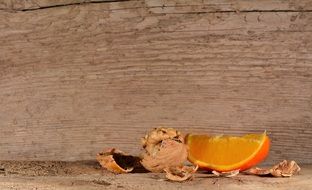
<point x="259" y="171"/>
<point x="226" y="174"/>
<point x="282" y="169"/>
<point x="163" y="148"/>
<point x="180" y="173"/>
<point x="116" y="161"/>
<point x="285" y="169"/>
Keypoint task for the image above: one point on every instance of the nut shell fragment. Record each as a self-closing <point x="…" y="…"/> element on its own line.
<point x="259" y="171"/>
<point x="180" y="173"/>
<point x="164" y="148"/>
<point x="108" y="159"/>
<point x="226" y="174"/>
<point x="152" y="140"/>
<point x="171" y="153"/>
<point x="285" y="169"/>
<point x="282" y="169"/>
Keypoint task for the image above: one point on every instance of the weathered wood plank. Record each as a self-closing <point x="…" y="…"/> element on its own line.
<point x="173" y="6"/>
<point x="37" y="4"/>
<point x="206" y="6"/>
<point x="77" y="79"/>
<point x="88" y="175"/>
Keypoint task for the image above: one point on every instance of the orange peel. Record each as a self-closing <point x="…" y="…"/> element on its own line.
<point x="227" y="153"/>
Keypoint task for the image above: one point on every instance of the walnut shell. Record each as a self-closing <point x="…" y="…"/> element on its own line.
<point x="282" y="169"/>
<point x="164" y="148"/>
<point x="285" y="169"/>
<point x="116" y="161"/>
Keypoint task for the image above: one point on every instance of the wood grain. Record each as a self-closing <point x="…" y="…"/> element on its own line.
<point x="80" y="78"/>
<point x="172" y="6"/>
<point x="88" y="175"/>
<point x="208" y="6"/>
<point x="24" y="5"/>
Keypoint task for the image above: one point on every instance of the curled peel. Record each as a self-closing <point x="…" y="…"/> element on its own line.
<point x="164" y="148"/>
<point x="282" y="169"/>
<point x="116" y="161"/>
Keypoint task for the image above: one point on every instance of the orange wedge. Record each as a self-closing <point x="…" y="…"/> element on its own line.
<point x="227" y="153"/>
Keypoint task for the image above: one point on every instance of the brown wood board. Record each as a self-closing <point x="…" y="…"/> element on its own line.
<point x="89" y="175"/>
<point x="79" y="78"/>
<point x="171" y="6"/>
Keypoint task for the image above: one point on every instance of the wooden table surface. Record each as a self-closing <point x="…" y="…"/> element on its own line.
<point x="88" y="175"/>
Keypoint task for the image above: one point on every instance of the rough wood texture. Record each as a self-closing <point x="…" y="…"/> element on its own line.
<point x="24" y="5"/>
<point x="80" y="78"/>
<point x="172" y="6"/>
<point x="88" y="175"/>
<point x="206" y="6"/>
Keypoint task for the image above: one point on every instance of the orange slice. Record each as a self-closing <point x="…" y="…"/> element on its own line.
<point x="227" y="153"/>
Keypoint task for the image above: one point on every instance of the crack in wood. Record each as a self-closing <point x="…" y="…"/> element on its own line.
<point x="38" y="7"/>
<point x="244" y="11"/>
<point x="61" y="5"/>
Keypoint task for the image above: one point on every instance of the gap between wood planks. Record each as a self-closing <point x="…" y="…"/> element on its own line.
<point x="163" y="6"/>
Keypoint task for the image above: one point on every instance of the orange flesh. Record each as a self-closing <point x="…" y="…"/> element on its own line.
<point x="226" y="153"/>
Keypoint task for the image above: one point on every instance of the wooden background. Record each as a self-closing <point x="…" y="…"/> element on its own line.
<point x="77" y="76"/>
